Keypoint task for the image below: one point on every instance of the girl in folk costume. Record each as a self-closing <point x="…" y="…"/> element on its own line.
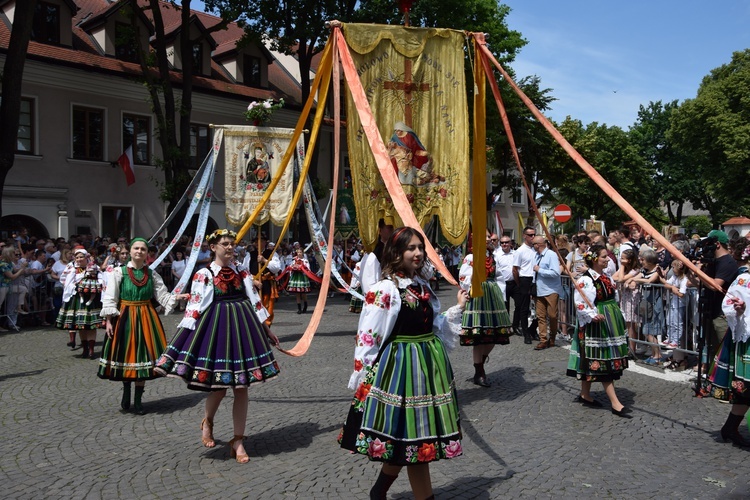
<point x="222" y="342"/>
<point x="485" y="322"/>
<point x="404" y="411"/>
<point x="599" y="350"/>
<point x="135" y="335"/>
<point x="77" y="312"/>
<point x="299" y="283"/>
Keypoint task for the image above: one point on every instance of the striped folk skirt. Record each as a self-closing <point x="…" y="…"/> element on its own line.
<point x="485" y="320"/>
<point x="298" y="283"/>
<point x="137" y="342"/>
<point x="729" y="376"/>
<point x="406" y="412"/>
<point x="599" y="351"/>
<point x="78" y="314"/>
<point x="355" y="304"/>
<point x="227" y="349"/>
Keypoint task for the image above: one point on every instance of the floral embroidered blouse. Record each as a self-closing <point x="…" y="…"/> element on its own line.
<point x="298" y="264"/>
<point x="596" y="287"/>
<point x="379" y="313"/>
<point x="202" y="293"/>
<point x="70" y="278"/>
<point x="467" y="269"/>
<point x="738" y="323"/>
<point x="111" y="295"/>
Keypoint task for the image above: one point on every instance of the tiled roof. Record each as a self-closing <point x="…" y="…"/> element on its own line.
<point x="84" y="54"/>
<point x="736" y="221"/>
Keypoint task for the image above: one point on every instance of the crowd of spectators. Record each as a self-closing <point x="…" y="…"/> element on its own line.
<point x="657" y="294"/>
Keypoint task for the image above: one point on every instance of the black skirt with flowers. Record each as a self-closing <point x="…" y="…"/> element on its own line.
<point x="227" y="349"/>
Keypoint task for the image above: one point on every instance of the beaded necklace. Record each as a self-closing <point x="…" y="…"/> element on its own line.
<point x="138" y="282"/>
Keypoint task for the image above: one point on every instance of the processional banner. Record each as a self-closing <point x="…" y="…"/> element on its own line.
<point x="251" y="157"/>
<point x="414" y="82"/>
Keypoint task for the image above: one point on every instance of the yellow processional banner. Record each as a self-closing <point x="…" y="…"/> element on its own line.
<point x="414" y="82"/>
<point x="251" y="157"/>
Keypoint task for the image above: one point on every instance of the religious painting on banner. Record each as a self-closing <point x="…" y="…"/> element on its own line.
<point x="252" y="156"/>
<point x="415" y="85"/>
<point x="346" y="213"/>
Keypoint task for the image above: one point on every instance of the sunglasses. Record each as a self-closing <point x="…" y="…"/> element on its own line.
<point x="505" y="242"/>
<point x="529" y="234"/>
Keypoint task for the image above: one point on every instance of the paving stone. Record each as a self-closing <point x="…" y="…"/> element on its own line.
<point x="64" y="435"/>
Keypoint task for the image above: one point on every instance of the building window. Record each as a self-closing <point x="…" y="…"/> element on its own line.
<point x="88" y="133"/>
<point x="117" y="222"/>
<point x="198" y="59"/>
<point x="136" y="132"/>
<point x="200" y="144"/>
<point x="45" y="27"/>
<point x="126" y="44"/>
<point x="25" y="141"/>
<point x="517" y="198"/>
<point x="251" y="74"/>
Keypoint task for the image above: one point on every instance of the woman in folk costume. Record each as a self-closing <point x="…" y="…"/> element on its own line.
<point x="404" y="411"/>
<point x="77" y="312"/>
<point x="299" y="283"/>
<point x="485" y="322"/>
<point x="222" y="342"/>
<point x="729" y="378"/>
<point x="599" y="350"/>
<point x="135" y="335"/>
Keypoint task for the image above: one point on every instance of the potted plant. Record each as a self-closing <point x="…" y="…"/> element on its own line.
<point x="260" y="112"/>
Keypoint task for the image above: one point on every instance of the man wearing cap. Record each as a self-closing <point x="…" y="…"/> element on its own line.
<point x="723" y="270"/>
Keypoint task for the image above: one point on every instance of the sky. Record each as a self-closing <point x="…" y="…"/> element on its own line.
<point x="603" y="59"/>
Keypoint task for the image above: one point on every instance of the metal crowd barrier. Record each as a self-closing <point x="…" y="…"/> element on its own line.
<point x="28" y="302"/>
<point x="656" y="310"/>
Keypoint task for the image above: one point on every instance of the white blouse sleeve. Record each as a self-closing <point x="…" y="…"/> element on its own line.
<point x="738" y="323"/>
<point x="201" y="296"/>
<point x="378" y="317"/>
<point x="585" y="313"/>
<point x="274" y="264"/>
<point x="111" y="296"/>
<point x="446" y="325"/>
<point x="162" y="293"/>
<point x="464" y="274"/>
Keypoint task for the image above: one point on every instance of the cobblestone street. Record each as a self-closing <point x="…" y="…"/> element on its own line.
<point x="63" y="435"/>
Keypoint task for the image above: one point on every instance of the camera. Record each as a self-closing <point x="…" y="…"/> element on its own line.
<point x="705" y="250"/>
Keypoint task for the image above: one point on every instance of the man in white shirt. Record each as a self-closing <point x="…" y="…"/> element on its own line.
<point x="523" y="275"/>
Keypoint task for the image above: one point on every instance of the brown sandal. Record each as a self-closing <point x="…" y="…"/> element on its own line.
<point x="241" y="458"/>
<point x="209" y="441"/>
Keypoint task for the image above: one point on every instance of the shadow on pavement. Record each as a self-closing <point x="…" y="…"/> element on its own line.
<point x="21" y="374"/>
<point x="285" y="439"/>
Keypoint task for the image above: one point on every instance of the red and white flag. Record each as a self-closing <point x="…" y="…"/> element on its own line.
<point x="126" y="162"/>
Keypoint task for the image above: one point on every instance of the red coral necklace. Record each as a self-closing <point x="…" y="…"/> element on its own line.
<point x="138" y="282"/>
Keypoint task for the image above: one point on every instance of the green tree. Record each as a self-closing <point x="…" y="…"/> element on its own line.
<point x="613" y="154"/>
<point x="697" y="224"/>
<point x="650" y="136"/>
<point x="171" y="104"/>
<point x="712" y="132"/>
<point x="12" y="83"/>
<point x="540" y="155"/>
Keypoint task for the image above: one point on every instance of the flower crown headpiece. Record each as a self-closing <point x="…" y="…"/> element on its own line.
<point x="589" y="256"/>
<point x="219" y="234"/>
<point x="746" y="253"/>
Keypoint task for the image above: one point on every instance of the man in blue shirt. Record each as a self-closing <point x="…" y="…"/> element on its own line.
<point x="548" y="291"/>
